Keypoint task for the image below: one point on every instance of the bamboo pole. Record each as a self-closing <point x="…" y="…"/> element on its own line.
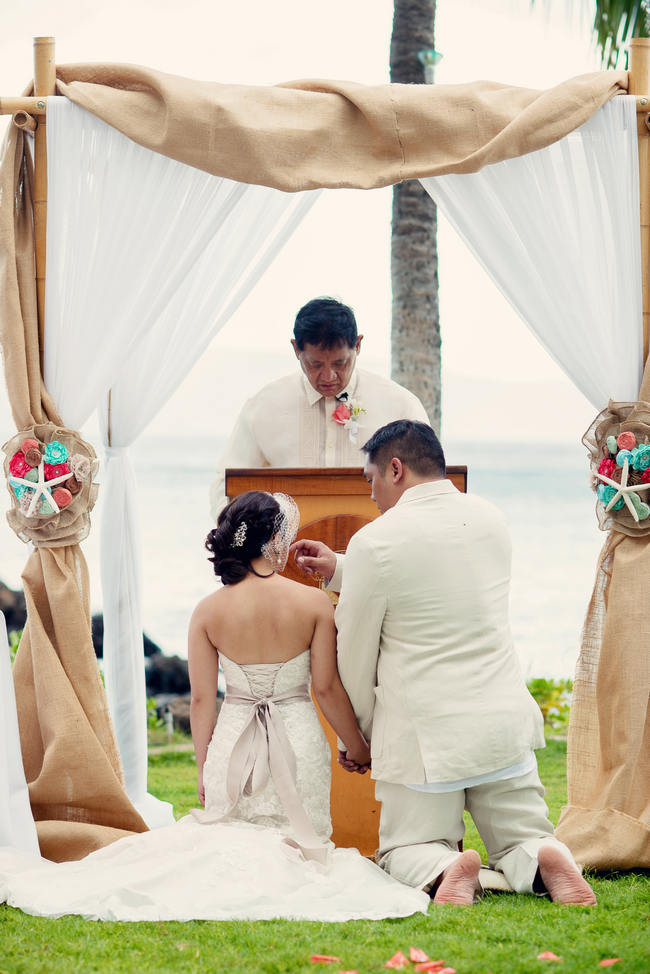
<point x="639" y="84"/>
<point x="44" y="84"/>
<point x="30" y="104"/>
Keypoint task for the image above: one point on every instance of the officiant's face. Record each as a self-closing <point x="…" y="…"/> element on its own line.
<point x="329" y="370"/>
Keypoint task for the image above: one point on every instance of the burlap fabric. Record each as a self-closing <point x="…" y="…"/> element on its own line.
<point x="69" y="752"/>
<point x="309" y="134"/>
<point x="606" y="822"/>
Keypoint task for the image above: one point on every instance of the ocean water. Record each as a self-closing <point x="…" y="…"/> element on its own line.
<point x="541" y="488"/>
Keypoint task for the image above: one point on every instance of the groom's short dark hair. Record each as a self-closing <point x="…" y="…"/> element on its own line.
<point x="415" y="444"/>
<point x="325" y="322"/>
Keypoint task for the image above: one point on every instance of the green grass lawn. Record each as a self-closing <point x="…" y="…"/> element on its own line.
<point x="502" y="934"/>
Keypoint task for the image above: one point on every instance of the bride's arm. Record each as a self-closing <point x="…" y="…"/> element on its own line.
<point x="328" y="689"/>
<point x="203" y="665"/>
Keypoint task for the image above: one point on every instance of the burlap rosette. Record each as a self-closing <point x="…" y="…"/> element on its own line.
<point x="611" y="454"/>
<point x="49" y="472"/>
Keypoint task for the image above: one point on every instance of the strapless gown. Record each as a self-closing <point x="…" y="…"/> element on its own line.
<point x="259" y="850"/>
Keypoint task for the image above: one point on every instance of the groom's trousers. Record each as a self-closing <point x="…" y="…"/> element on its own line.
<point x="419" y="831"/>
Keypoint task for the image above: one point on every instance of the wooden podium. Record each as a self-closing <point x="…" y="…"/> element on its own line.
<point x="334" y="502"/>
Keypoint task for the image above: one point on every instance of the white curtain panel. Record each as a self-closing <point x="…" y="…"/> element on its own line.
<point x="558" y="232"/>
<point x="146" y="260"/>
<point x="17" y="829"/>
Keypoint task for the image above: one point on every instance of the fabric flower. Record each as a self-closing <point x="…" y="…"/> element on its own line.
<point x="642" y="458"/>
<point x="73" y="485"/>
<point x="55" y="453"/>
<point x="625" y="441"/>
<point x="33" y="456"/>
<point x="52" y="472"/>
<point x="80" y="466"/>
<point x="612" y="445"/>
<point x="45" y="507"/>
<point x="341" y="414"/>
<point x="607" y="467"/>
<point x="623" y="455"/>
<point x="17" y="465"/>
<point x="61" y="497"/>
<point x="25" y="500"/>
<point x="30" y="445"/>
<point x="19" y="490"/>
<point x="32" y="475"/>
<point x="605" y="494"/>
<point x="645" y="476"/>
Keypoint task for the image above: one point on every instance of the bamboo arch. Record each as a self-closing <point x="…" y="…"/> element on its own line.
<point x="355" y="136"/>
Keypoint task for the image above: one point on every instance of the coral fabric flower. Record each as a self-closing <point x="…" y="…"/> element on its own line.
<point x="61" y="497"/>
<point x="30" y="445"/>
<point x="341" y="414"/>
<point x="52" y="472"/>
<point x="18" y="466"/>
<point x="607" y="467"/>
<point x="626" y="441"/>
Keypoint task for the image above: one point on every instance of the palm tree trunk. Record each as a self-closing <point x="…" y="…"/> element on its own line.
<point x="415" y="335"/>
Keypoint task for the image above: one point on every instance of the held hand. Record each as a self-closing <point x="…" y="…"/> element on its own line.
<point x="353" y="766"/>
<point x="314" y="557"/>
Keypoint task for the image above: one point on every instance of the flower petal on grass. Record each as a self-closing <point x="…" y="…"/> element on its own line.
<point x="397" y="961"/>
<point x="417" y="956"/>
<point x="609" y="961"/>
<point x="548" y="955"/>
<point x="324" y="959"/>
<point x="435" y="966"/>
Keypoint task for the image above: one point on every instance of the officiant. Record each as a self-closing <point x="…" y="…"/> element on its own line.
<point x="318" y="416"/>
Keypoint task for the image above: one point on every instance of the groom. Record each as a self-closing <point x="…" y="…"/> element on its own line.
<point x="426" y="656"/>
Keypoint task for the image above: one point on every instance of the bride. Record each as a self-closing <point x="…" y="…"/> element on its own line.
<point x="260" y="847"/>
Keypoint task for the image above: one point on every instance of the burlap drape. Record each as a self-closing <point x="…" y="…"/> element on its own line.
<point x="310" y="134"/>
<point x="69" y="753"/>
<point x="606" y="822"/>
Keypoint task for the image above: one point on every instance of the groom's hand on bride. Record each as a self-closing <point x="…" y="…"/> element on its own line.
<point x="314" y="558"/>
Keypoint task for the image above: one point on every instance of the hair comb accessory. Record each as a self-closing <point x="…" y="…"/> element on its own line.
<point x="239" y="536"/>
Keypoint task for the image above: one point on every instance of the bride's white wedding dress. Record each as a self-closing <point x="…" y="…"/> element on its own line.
<point x="244" y="856"/>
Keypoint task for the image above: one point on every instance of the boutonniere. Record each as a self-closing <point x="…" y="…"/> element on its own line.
<point x="347" y="414"/>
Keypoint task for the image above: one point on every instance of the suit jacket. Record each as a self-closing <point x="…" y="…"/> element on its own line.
<point x="424" y="644"/>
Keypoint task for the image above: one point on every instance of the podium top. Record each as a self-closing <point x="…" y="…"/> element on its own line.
<point x="310" y="481"/>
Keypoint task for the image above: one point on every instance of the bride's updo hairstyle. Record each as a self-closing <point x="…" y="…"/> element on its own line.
<point x="243" y="527"/>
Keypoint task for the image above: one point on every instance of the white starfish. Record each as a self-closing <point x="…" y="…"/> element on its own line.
<point x="40" y="488"/>
<point x="623" y="490"/>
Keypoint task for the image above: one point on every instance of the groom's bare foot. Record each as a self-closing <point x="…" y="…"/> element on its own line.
<point x="460" y="880"/>
<point x="561" y="878"/>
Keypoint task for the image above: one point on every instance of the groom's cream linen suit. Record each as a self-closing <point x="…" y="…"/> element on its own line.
<point x="426" y="656"/>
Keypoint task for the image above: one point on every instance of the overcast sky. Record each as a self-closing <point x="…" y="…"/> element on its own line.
<point x="343" y="246"/>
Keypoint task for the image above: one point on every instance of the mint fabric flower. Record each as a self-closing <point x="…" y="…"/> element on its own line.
<point x="55" y="453"/>
<point x="607" y="494"/>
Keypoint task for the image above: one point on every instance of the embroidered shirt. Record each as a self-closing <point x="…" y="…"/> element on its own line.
<point x="288" y="423"/>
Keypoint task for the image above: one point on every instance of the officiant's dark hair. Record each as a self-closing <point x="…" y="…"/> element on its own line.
<point x="325" y="322"/>
<point x="242" y="528"/>
<point x="415" y="444"/>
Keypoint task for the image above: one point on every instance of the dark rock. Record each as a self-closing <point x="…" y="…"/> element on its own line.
<point x="12" y="604"/>
<point x="166" y="674"/>
<point x="179" y="707"/>
<point x="150" y="648"/>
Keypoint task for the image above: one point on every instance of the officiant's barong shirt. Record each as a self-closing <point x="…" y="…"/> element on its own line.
<point x="288" y="423"/>
<point x="424" y="645"/>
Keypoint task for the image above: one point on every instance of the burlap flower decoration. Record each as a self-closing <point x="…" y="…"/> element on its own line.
<point x="49" y="473"/>
<point x="618" y="441"/>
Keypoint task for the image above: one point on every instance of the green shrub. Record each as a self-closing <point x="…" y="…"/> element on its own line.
<point x="554" y="700"/>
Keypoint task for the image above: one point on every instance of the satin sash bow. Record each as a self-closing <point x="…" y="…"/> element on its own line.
<point x="263" y="751"/>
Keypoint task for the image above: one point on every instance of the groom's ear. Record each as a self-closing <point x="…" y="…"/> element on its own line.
<point x="396" y="470"/>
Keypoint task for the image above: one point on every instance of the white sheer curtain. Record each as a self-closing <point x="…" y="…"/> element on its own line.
<point x="558" y="231"/>
<point x="146" y="260"/>
<point x="17" y="828"/>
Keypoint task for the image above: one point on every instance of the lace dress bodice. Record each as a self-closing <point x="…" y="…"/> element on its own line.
<point x="305" y="735"/>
